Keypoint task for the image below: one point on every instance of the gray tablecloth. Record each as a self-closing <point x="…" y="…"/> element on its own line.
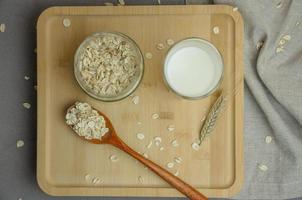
<point x="273" y="97"/>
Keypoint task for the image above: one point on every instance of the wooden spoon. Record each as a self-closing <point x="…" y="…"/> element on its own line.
<point x="112" y="138"/>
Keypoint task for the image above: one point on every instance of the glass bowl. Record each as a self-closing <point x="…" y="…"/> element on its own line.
<point x="135" y="80"/>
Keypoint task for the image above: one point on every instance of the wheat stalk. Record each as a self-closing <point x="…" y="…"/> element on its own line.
<point x="212" y="117"/>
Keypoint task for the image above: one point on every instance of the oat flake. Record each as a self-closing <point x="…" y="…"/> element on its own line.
<point x="122" y="2"/>
<point x="145" y="155"/>
<point x="26" y="78"/>
<point x="160" y="46"/>
<point x="170" y="42"/>
<point x="26" y="105"/>
<point x="96" y="180"/>
<point x="158" y="1"/>
<point x="149" y="145"/>
<point x="175" y="143"/>
<point x="279" y="5"/>
<point x="113" y="158"/>
<point x="282" y="42"/>
<point x="20" y="143"/>
<point x="148" y="55"/>
<point x="178" y="160"/>
<point x="155" y="116"/>
<point x="2" y="28"/>
<point x="158" y="139"/>
<point x="235" y="9"/>
<point x="170" y="165"/>
<point x="286" y="37"/>
<point x="216" y="30"/>
<point x="66" y="22"/>
<point x="195" y="146"/>
<point x="161" y="148"/>
<point x="259" y="45"/>
<point x="176" y="173"/>
<point x="87" y="177"/>
<point x="279" y="49"/>
<point x="140" y="136"/>
<point x="268" y="139"/>
<point x="135" y="100"/>
<point x="140" y="179"/>
<point x="171" y="128"/>
<point x="262" y="167"/>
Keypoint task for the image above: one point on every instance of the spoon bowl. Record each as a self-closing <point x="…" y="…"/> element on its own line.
<point x="112" y="138"/>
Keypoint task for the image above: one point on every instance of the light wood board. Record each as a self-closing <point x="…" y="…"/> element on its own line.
<point x="64" y="159"/>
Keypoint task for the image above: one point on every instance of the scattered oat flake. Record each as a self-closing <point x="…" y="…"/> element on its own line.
<point x="170" y="42"/>
<point x="20" y="143"/>
<point x="26" y="105"/>
<point x="259" y="45"/>
<point x="157" y="138"/>
<point x="178" y="160"/>
<point x="108" y="4"/>
<point x="174" y="143"/>
<point x="149" y="145"/>
<point x="155" y="116"/>
<point x="286" y="37"/>
<point x="279" y="49"/>
<point x="282" y="42"/>
<point x="140" y="136"/>
<point x="66" y="22"/>
<point x="176" y="173"/>
<point x="158" y="1"/>
<point x="135" y="99"/>
<point x="268" y="139"/>
<point x="195" y="146"/>
<point x="148" y="55"/>
<point x="216" y="30"/>
<point x="96" y="180"/>
<point x="171" y="128"/>
<point x="161" y="148"/>
<point x="160" y="46"/>
<point x="140" y="179"/>
<point x="145" y="155"/>
<point x="139" y="123"/>
<point x="297" y="23"/>
<point x="2" y="28"/>
<point x="87" y="177"/>
<point x="122" y="2"/>
<point x="235" y="9"/>
<point x="26" y="78"/>
<point x="170" y="165"/>
<point x="262" y="167"/>
<point x="113" y="158"/>
<point x="279" y="4"/>
<point x="19" y="198"/>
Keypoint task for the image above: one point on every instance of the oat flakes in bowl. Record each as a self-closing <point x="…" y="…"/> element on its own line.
<point x="108" y="66"/>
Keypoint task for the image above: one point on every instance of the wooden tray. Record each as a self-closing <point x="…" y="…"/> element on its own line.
<point x="64" y="159"/>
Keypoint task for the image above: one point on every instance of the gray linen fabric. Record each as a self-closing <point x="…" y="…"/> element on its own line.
<point x="273" y="97"/>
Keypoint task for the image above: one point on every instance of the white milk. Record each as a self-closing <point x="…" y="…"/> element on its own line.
<point x="193" y="68"/>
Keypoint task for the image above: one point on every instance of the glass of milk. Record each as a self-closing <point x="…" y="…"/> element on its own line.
<point x="193" y="68"/>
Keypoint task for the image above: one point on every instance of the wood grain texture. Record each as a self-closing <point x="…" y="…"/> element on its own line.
<point x="63" y="159"/>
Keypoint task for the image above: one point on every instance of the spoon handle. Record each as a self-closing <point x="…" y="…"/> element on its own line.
<point x="173" y="180"/>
